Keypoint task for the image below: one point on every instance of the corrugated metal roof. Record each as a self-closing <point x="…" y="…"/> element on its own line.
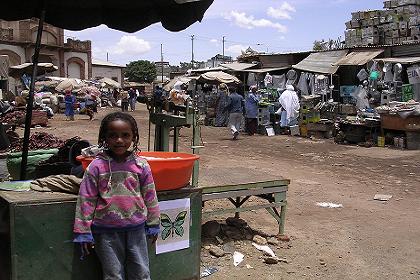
<point x="105" y="63"/>
<point x="265" y="70"/>
<point x="237" y="66"/>
<point x="402" y="60"/>
<point x="359" y="57"/>
<point x="321" y="62"/>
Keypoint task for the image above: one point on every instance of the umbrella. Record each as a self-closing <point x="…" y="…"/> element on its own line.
<point x="124" y="15"/>
<point x="69" y="84"/>
<point x="218" y="77"/>
<point x="129" y="16"/>
<point x="109" y="83"/>
<point x="27" y="68"/>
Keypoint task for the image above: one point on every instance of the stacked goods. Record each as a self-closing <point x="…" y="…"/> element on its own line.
<point x="18" y="118"/>
<point x="309" y="109"/>
<point x="398" y="23"/>
<point x="39" y="140"/>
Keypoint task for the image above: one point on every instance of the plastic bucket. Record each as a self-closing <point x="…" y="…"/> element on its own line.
<point x="170" y="170"/>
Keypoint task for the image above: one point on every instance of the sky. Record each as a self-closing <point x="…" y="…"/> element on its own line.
<point x="272" y="26"/>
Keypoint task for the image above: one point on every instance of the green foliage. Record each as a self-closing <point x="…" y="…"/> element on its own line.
<point x="142" y="71"/>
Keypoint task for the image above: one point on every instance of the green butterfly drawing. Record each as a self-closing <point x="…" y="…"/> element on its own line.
<point x="171" y="227"/>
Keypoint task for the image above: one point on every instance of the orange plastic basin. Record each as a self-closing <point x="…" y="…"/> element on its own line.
<point x="170" y="170"/>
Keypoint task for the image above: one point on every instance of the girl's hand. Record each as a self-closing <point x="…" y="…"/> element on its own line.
<point x="153" y="238"/>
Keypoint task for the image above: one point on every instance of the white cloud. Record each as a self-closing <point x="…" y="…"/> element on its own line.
<point x="131" y="45"/>
<point x="283" y="12"/>
<point x="213" y="41"/>
<point x="236" y="49"/>
<point x="249" y="22"/>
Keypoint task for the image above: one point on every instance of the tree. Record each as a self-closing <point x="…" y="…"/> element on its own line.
<point x="329" y="45"/>
<point x="142" y="71"/>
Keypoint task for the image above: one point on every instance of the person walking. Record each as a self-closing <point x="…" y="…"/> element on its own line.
<point x="69" y="100"/>
<point x="117" y="208"/>
<point x="235" y="108"/>
<point x="222" y="115"/>
<point x="124" y="100"/>
<point x="132" y="99"/>
<point x="251" y="108"/>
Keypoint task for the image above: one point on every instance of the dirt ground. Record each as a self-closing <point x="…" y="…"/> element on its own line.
<point x="365" y="239"/>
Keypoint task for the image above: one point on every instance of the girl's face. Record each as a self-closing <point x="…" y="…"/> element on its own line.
<point x="119" y="138"/>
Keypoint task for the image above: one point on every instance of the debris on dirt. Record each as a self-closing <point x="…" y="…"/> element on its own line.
<point x="283" y="238"/>
<point x="329" y="205"/>
<point x="237" y="258"/>
<point x="382" y="197"/>
<point x="259" y="240"/>
<point x="220" y="240"/>
<point x="249" y="266"/>
<point x="271" y="260"/>
<point x="229" y="248"/>
<point x="216" y="251"/>
<point x="208" y="271"/>
<point x="211" y="229"/>
<point x="265" y="249"/>
<point x="273" y="241"/>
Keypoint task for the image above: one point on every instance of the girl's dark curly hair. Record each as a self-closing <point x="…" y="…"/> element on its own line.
<point x="123" y="117"/>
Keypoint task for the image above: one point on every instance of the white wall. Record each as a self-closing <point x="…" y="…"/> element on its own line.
<point x="82" y="56"/>
<point x="108" y="72"/>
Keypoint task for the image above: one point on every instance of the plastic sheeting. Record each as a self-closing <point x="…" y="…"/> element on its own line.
<point x="219" y="77"/>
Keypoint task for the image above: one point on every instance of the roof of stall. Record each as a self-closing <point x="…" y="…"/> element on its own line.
<point x="321" y="62"/>
<point x="402" y="60"/>
<point x="237" y="66"/>
<point x="359" y="57"/>
<point x="266" y="70"/>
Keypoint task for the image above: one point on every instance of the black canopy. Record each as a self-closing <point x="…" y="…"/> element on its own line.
<point x="124" y="15"/>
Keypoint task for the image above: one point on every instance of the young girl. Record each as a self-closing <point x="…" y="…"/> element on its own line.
<point x="117" y="205"/>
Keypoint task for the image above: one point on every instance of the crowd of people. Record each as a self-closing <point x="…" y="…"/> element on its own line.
<point x="231" y="108"/>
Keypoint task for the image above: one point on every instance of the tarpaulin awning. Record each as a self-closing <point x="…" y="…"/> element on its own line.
<point x="237" y="66"/>
<point x="69" y="84"/>
<point x="266" y="70"/>
<point x="402" y="60"/>
<point x="109" y="83"/>
<point x="321" y="62"/>
<point x="359" y="57"/>
<point x="202" y="70"/>
<point x="26" y="68"/>
<point x="219" y="77"/>
<point x="183" y="79"/>
<point x="124" y="15"/>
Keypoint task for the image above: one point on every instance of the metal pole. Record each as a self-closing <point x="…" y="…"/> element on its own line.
<point x="161" y="61"/>
<point x="192" y="51"/>
<point x="223" y="40"/>
<point x="30" y="105"/>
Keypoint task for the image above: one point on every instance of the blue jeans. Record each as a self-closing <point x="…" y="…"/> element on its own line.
<point x="123" y="255"/>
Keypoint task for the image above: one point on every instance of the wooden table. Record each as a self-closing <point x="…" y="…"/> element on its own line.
<point x="238" y="184"/>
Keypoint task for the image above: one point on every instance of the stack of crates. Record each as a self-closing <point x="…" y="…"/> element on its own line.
<point x="263" y="116"/>
<point x="308" y="113"/>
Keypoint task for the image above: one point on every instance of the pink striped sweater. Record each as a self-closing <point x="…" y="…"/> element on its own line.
<point x="116" y="196"/>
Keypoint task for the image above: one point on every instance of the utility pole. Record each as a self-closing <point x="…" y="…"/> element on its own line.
<point x="107" y="57"/>
<point x="161" y="60"/>
<point x="192" y="51"/>
<point x="223" y="42"/>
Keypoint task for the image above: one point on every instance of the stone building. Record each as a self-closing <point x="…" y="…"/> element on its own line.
<point x="17" y="41"/>
<point x="106" y="69"/>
